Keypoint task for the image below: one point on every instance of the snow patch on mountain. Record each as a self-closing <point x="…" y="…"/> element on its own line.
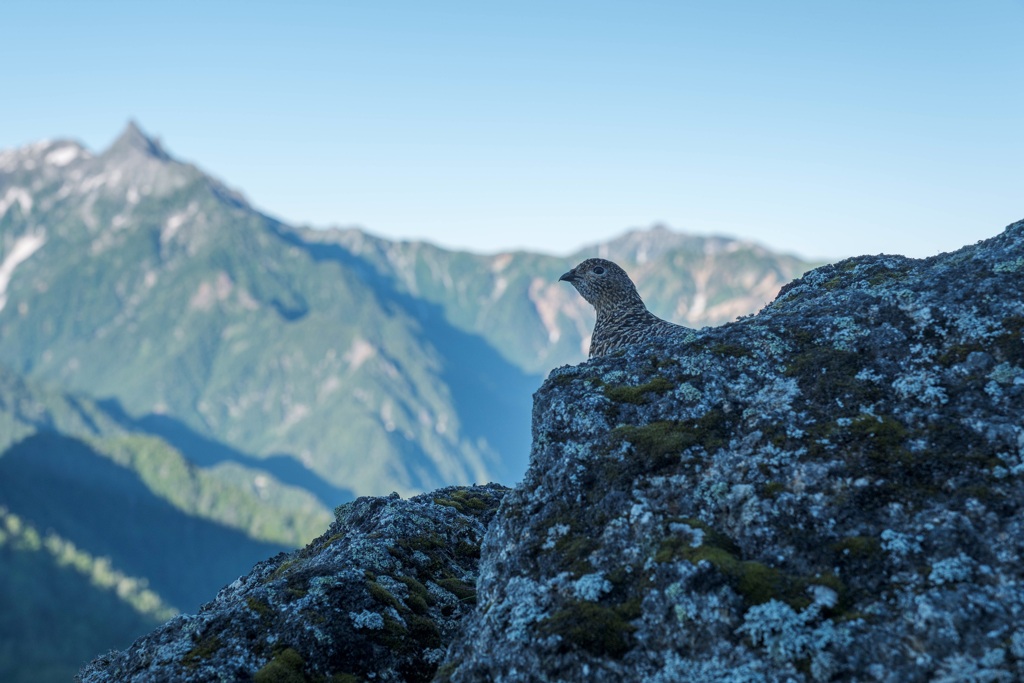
<point x="15" y="195"/>
<point x="175" y="221"/>
<point x="62" y="156"/>
<point x="360" y="352"/>
<point x="23" y="248"/>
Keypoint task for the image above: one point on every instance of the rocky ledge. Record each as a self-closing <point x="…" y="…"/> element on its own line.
<point x="829" y="490"/>
<point x="378" y="597"/>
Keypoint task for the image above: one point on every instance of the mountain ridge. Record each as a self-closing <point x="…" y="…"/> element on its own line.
<point x="174" y="273"/>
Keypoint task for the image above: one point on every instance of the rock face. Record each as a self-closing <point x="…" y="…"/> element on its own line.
<point x="829" y="490"/>
<point x="379" y="595"/>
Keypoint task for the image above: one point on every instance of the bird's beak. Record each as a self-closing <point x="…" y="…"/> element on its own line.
<point x="568" y="277"/>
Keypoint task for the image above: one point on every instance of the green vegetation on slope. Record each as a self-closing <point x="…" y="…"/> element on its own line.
<point x="103" y="529"/>
<point x="229" y="494"/>
<point x="52" y="593"/>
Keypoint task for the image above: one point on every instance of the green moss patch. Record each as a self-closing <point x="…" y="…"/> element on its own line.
<point x="884" y="275"/>
<point x="674" y="546"/>
<point x="858" y="547"/>
<point x="656" y="446"/>
<point x="599" y="629"/>
<point x="204" y="649"/>
<point x="755" y="581"/>
<point x="466" y="502"/>
<point x="729" y="350"/>
<point x="259" y="607"/>
<point x="395" y="636"/>
<point x="828" y="377"/>
<point x="660" y="444"/>
<point x="345" y="678"/>
<point x="423" y="630"/>
<point x="431" y="545"/>
<point x="465" y="592"/>
<point x="1007" y="346"/>
<point x="286" y="667"/>
<point x="283" y="568"/>
<point x="465" y="549"/>
<point x="882" y="438"/>
<point x="951" y="450"/>
<point x="573" y="551"/>
<point x="638" y="394"/>
<point x="417" y="629"/>
<point x="419" y="599"/>
<point x="382" y="595"/>
<point x="445" y="673"/>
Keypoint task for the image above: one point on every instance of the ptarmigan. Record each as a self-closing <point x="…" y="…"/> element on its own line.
<point x="622" y="317"/>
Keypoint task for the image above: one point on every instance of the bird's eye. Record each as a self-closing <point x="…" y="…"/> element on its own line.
<point x="599" y="270"/>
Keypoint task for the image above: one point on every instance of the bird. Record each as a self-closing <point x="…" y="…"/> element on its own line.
<point x="622" y="317"/>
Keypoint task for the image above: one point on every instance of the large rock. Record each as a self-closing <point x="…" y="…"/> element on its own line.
<point x="828" y="490"/>
<point x="380" y="596"/>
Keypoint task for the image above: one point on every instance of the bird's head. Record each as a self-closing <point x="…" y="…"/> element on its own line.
<point x="604" y="284"/>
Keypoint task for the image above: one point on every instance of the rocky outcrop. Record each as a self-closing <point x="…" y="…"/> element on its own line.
<point x="379" y="596"/>
<point x="829" y="490"/>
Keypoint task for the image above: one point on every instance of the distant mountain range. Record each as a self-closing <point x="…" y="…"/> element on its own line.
<point x="171" y="357"/>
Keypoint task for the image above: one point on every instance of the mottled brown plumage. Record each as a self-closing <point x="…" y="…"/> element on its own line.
<point x="622" y="317"/>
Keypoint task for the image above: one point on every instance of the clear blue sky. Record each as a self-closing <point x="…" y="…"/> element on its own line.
<point x="826" y="128"/>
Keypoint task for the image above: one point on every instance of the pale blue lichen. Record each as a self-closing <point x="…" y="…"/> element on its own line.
<point x="1017" y="644"/>
<point x="687" y="393"/>
<point x="922" y="386"/>
<point x="1009" y="266"/>
<point x="900" y="544"/>
<point x="952" y="570"/>
<point x="960" y="668"/>
<point x="788" y="636"/>
<point x="1004" y="373"/>
<point x="675" y="669"/>
<point x="555" y="532"/>
<point x="868" y="375"/>
<point x="591" y="587"/>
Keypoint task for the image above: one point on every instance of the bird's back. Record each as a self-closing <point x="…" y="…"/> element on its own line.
<point x="612" y="332"/>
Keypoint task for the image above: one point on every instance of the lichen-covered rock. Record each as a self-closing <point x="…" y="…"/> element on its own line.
<point x="379" y="596"/>
<point x="829" y="490"/>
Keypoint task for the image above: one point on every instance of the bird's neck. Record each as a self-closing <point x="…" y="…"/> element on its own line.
<point x="633" y="305"/>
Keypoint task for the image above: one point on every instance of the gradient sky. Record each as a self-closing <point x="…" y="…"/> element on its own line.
<point x="824" y="128"/>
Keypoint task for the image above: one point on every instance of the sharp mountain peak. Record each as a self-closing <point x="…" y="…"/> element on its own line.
<point x="133" y="140"/>
<point x="143" y="158"/>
